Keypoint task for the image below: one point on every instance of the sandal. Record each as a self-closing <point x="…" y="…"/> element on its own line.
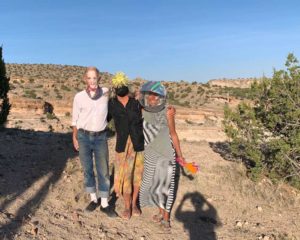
<point x="165" y="224"/>
<point x="136" y="212"/>
<point x="157" y="218"/>
<point x="126" y="214"/>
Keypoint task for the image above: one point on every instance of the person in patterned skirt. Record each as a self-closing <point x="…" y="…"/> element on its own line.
<point x="127" y="115"/>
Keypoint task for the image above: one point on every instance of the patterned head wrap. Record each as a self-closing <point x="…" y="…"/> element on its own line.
<point x="154" y="87"/>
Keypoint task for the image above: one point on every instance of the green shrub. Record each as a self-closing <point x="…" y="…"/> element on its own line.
<point x="50" y="116"/>
<point x="200" y="90"/>
<point x="184" y="95"/>
<point x="240" y="93"/>
<point x="266" y="135"/>
<point x="186" y="104"/>
<point x="4" y="88"/>
<point x="65" y="88"/>
<point x="188" y="89"/>
<point x="30" y="93"/>
<point x="170" y="95"/>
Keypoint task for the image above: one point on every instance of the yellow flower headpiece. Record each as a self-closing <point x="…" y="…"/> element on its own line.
<point x="119" y="80"/>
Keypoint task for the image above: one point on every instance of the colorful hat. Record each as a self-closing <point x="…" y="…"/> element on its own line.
<point x="153" y="87"/>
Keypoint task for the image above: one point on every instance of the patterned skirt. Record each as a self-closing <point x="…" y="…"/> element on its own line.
<point x="158" y="180"/>
<point x="128" y="167"/>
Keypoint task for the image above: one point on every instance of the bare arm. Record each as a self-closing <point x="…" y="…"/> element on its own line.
<point x="75" y="114"/>
<point x="173" y="133"/>
<point x="75" y="140"/>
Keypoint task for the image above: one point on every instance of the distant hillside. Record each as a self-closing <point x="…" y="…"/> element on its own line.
<point x="51" y="82"/>
<point x="236" y="83"/>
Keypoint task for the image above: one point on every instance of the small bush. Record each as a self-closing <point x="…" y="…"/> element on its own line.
<point x="30" y="93"/>
<point x="188" y="89"/>
<point x="184" y="95"/>
<point x="65" y="88"/>
<point x="186" y="104"/>
<point x="50" y="116"/>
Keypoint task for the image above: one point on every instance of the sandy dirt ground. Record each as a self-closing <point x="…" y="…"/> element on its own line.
<point x="42" y="196"/>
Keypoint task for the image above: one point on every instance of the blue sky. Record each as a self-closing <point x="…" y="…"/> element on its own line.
<point x="157" y="40"/>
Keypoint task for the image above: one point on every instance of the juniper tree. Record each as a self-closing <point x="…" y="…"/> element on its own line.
<point x="4" y="88"/>
<point x="266" y="132"/>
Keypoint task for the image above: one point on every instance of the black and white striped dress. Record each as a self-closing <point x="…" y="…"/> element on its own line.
<point x="158" y="182"/>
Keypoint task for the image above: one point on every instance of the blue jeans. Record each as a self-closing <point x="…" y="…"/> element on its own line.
<point x="96" y="146"/>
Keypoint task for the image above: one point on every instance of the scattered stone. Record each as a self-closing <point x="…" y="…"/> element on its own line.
<point x="34" y="231"/>
<point x="102" y="235"/>
<point x="264" y="237"/>
<point x="259" y="208"/>
<point x="122" y="235"/>
<point x="238" y="224"/>
<point x="57" y="215"/>
<point x="110" y="235"/>
<point x="75" y="216"/>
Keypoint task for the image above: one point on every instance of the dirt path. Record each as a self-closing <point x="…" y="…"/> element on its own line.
<point x="42" y="197"/>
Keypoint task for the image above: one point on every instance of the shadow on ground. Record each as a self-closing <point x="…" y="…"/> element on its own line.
<point x="223" y="148"/>
<point x="200" y="221"/>
<point x="27" y="157"/>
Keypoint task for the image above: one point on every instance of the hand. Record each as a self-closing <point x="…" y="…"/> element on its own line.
<point x="181" y="161"/>
<point x="137" y="94"/>
<point x="190" y="166"/>
<point x="75" y="144"/>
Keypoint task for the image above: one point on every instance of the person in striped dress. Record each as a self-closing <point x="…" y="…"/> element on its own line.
<point x="161" y="149"/>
